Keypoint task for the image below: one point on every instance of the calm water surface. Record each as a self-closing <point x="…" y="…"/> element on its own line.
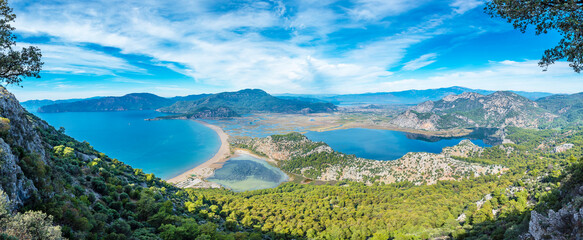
<point x="165" y="148"/>
<point x="245" y="172"/>
<point x="380" y="144"/>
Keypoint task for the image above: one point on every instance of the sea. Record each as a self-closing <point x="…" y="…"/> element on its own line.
<point x="166" y="148"/>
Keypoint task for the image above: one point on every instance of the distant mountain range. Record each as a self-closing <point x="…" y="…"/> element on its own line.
<point x="496" y="110"/>
<point x="404" y="97"/>
<point x="133" y="101"/>
<point x="244" y="102"/>
<point x="408" y="97"/>
<point x="470" y="109"/>
<point x="34" y="105"/>
<point x="220" y="105"/>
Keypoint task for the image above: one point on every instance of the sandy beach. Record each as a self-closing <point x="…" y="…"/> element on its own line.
<point x="207" y="168"/>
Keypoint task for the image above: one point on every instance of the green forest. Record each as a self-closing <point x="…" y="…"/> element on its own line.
<point x="103" y="198"/>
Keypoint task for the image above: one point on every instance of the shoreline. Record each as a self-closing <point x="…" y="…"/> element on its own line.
<point x="198" y="174"/>
<point x="207" y="168"/>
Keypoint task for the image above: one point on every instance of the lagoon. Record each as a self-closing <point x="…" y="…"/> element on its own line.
<point x="380" y="144"/>
<point x="165" y="148"/>
<point x="245" y="173"/>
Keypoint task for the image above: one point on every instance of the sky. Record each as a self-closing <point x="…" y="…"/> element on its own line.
<point x="182" y="47"/>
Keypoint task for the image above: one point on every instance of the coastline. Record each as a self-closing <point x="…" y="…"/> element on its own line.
<point x="207" y="168"/>
<point x="195" y="177"/>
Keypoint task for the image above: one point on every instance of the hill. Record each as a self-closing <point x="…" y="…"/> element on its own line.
<point x="133" y="101"/>
<point x="248" y="101"/>
<point x="34" y="105"/>
<point x="568" y="107"/>
<point x="474" y="110"/>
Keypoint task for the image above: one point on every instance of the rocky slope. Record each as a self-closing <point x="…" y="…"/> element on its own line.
<point x="20" y="144"/>
<point x="316" y="160"/>
<point x="474" y="110"/>
<point x="568" y="107"/>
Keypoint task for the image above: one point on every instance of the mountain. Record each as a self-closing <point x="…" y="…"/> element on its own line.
<point x="473" y="110"/>
<point x="568" y="107"/>
<point x="406" y="97"/>
<point x="190" y="97"/>
<point x="134" y="101"/>
<point x="34" y="105"/>
<point x="248" y="101"/>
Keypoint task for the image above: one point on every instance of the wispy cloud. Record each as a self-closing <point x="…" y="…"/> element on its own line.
<point x="462" y="6"/>
<point x="78" y="60"/>
<point x="420" y="62"/>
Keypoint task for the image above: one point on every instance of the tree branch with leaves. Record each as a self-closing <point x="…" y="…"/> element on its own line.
<point x="563" y="16"/>
<point x="15" y="64"/>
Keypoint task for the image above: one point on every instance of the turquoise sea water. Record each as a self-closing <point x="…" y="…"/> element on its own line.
<point x="380" y="144"/>
<point x="165" y="148"/>
<point x="245" y="172"/>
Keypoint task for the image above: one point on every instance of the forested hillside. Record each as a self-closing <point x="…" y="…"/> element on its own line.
<point x="248" y="101"/>
<point x="79" y="193"/>
<point x="134" y="101"/>
<point x="568" y="107"/>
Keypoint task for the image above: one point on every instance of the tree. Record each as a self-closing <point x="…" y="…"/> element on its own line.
<point x="15" y="64"/>
<point x="564" y="16"/>
<point x="28" y="225"/>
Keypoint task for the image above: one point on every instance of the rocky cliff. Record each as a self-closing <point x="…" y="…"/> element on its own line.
<point x="474" y="110"/>
<point x="20" y="144"/>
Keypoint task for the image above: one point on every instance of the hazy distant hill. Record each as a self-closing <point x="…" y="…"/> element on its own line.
<point x="34" y="105"/>
<point x="249" y="101"/>
<point x="467" y="110"/>
<point x="568" y="107"/>
<point x="134" y="101"/>
<point x="406" y="97"/>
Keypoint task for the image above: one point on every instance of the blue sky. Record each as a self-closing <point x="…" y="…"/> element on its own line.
<point x="181" y="47"/>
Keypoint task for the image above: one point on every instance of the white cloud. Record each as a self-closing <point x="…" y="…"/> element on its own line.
<point x="503" y="75"/>
<point x="462" y="6"/>
<point x="420" y="62"/>
<point x="78" y="60"/>
<point x="379" y="9"/>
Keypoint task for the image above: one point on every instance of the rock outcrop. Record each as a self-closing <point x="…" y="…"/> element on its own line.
<point x="473" y="110"/>
<point x="19" y="141"/>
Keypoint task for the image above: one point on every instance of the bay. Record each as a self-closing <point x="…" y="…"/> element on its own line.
<point x="165" y="148"/>
<point x="380" y="144"/>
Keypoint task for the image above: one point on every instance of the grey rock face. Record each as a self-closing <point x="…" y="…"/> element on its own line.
<point x="18" y="132"/>
<point x="471" y="110"/>
<point x="567" y="223"/>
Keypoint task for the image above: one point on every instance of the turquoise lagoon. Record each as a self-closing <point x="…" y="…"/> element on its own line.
<point x="245" y="173"/>
<point x="166" y="148"/>
<point x="381" y="144"/>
